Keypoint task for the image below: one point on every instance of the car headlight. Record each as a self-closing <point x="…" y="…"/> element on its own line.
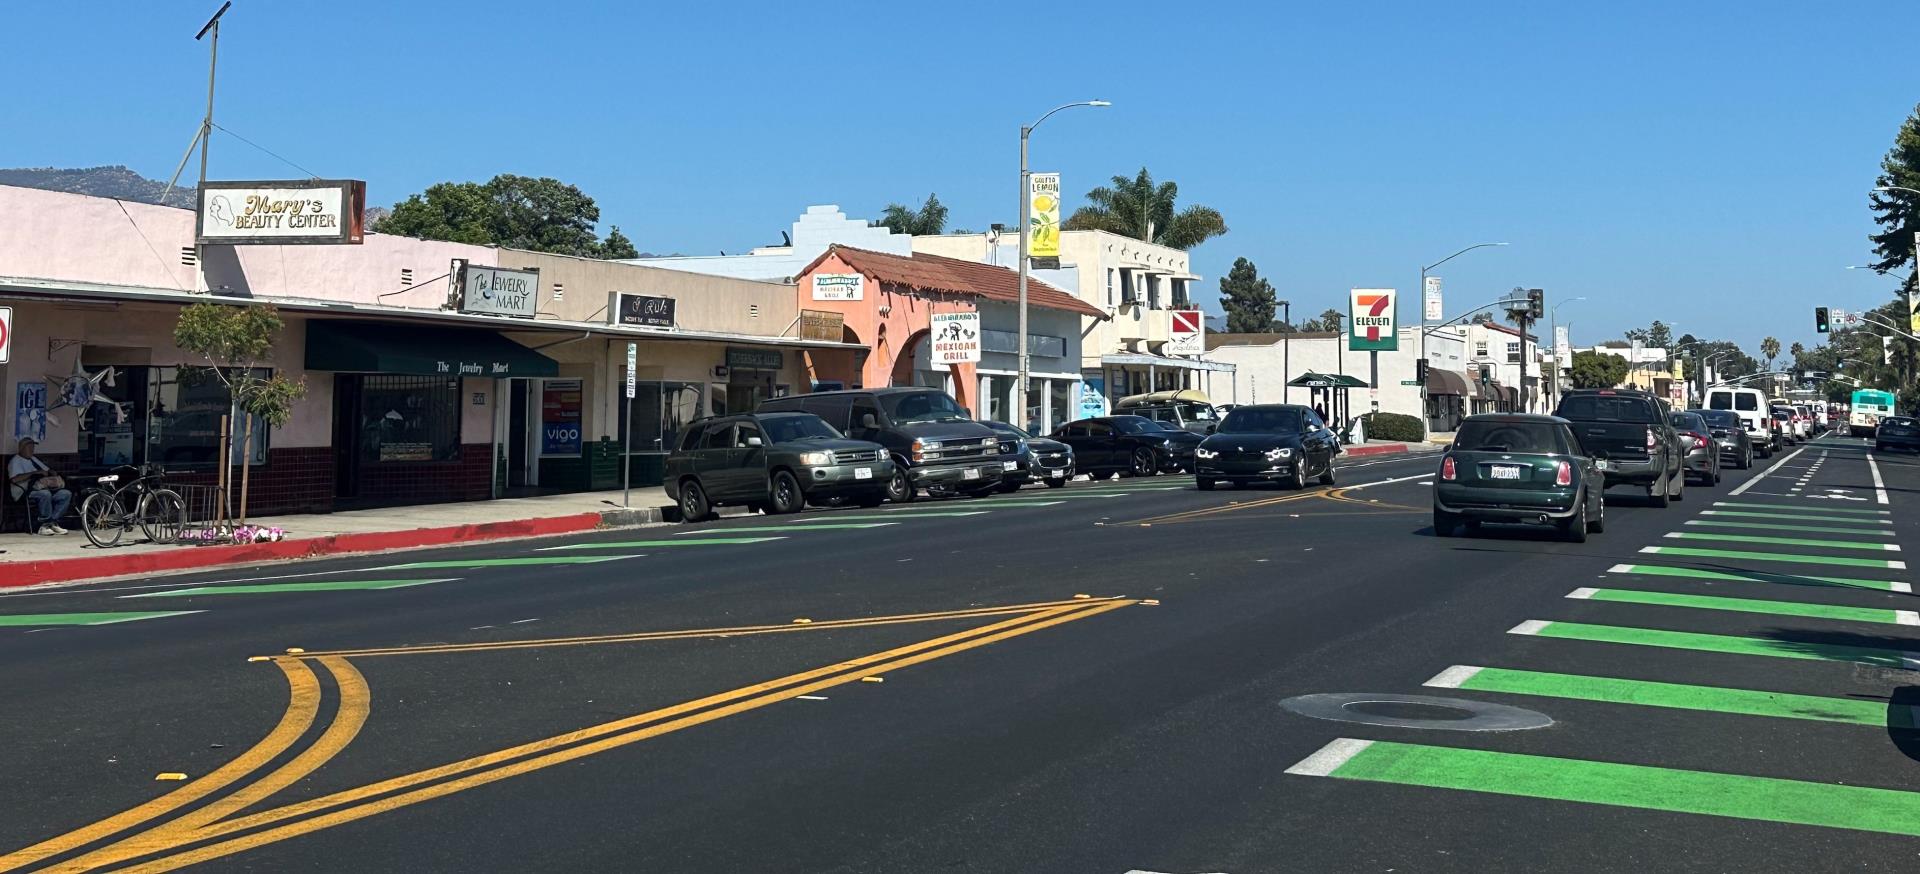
<point x="1204" y="452"/>
<point x="816" y="458"/>
<point x="927" y="444"/>
<point x="1279" y="453"/>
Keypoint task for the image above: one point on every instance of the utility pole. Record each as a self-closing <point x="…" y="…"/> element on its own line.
<point x="206" y="130"/>
<point x="1026" y="233"/>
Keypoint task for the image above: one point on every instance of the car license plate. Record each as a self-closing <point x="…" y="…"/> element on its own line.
<point x="863" y="473"/>
<point x="1009" y="465"/>
<point x="1056" y="474"/>
<point x="971" y="473"/>
<point x="1506" y="471"/>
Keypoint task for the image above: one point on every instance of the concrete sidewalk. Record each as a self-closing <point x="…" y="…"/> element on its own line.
<point x="27" y="559"/>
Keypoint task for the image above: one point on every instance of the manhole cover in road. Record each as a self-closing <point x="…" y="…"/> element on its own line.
<point x="1415" y="711"/>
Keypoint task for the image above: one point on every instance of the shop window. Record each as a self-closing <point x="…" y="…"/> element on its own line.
<point x="409" y="418"/>
<point x="1060" y="405"/>
<point x="660" y="412"/>
<point x="167" y="420"/>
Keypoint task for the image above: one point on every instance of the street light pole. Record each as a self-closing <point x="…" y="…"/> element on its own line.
<point x="1026" y="232"/>
<point x="1424" y="419"/>
<point x="1553" y="325"/>
<point x="1286" y="353"/>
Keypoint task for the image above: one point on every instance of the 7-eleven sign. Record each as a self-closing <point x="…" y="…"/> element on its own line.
<point x="1186" y="333"/>
<point x="1370" y="314"/>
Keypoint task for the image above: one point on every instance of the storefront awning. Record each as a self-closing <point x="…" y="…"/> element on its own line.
<point x="383" y="347"/>
<point x="1446" y="382"/>
<point x="1142" y="359"/>
<point x="1326" y="380"/>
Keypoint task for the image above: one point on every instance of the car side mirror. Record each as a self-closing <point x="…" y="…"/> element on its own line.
<point x="868" y="422"/>
<point x="754" y="442"/>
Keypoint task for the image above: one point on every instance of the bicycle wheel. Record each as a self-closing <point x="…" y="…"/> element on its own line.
<point x="163" y="513"/>
<point x="103" y="519"/>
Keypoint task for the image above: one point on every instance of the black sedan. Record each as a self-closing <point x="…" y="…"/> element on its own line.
<point x="1025" y="458"/>
<point x="1270" y="442"/>
<point x="1126" y="444"/>
<point x="1897" y="432"/>
<point x="1736" y="445"/>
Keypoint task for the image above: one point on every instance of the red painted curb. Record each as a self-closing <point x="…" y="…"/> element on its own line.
<point x="1385" y="449"/>
<point x="60" y="570"/>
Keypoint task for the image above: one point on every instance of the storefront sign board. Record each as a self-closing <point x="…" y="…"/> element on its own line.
<point x="1186" y="332"/>
<point x="641" y="310"/>
<point x="497" y="291"/>
<point x="739" y="358"/>
<point x="280" y="213"/>
<point x="6" y="333"/>
<point x="839" y="286"/>
<point x="955" y="338"/>
<point x="822" y="325"/>
<point x="560" y="405"/>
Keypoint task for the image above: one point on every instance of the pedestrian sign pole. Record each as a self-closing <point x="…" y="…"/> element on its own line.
<point x="626" y="457"/>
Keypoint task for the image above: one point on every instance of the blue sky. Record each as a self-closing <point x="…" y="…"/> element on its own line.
<point x="1702" y="162"/>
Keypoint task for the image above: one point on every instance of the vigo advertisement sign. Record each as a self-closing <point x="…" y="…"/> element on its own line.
<point x="276" y="213"/>
<point x="1371" y="313"/>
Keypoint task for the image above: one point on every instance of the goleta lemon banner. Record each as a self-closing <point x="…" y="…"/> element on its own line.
<point x="1043" y="195"/>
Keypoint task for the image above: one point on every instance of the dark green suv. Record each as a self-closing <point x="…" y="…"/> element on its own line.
<point x="775" y="462"/>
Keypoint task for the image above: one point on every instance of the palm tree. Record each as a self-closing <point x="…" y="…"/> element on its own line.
<point x="1140" y="209"/>
<point x="929" y="219"/>
<point x="1770" y="349"/>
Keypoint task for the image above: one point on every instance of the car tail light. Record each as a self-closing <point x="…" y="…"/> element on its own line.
<point x="1699" y="439"/>
<point x="1447" y="471"/>
<point x="1650" y="443"/>
<point x="1563" y="476"/>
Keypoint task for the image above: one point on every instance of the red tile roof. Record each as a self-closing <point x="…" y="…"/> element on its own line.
<point x="955" y="276"/>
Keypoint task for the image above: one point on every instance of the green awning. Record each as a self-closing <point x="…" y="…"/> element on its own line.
<point x="433" y="350"/>
<point x="1326" y="380"/>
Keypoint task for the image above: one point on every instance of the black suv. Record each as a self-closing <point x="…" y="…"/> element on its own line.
<point x="933" y="441"/>
<point x="772" y="461"/>
<point x="1628" y="429"/>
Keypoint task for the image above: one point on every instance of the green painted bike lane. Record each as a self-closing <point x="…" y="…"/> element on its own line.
<point x="1678" y="696"/>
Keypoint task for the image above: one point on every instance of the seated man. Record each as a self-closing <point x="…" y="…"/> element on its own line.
<point x="30" y="477"/>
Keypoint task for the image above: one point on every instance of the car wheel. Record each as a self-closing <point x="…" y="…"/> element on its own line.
<point x="1143" y="464"/>
<point x="1299" y="480"/>
<point x="1574" y="528"/>
<point x="1598" y="523"/>
<point x="1203" y="484"/>
<point x="1007" y="488"/>
<point x="1326" y="476"/>
<point x="1060" y="483"/>
<point x="872" y="499"/>
<point x="1657" y="493"/>
<point x="693" y="502"/>
<point x="1445" y="524"/>
<point x="784" y="495"/>
<point x="900" y="486"/>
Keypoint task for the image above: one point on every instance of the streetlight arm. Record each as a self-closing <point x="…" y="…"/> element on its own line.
<point x="1876" y="320"/>
<point x="1459" y="253"/>
<point x="1050" y="112"/>
<point x="1449" y="322"/>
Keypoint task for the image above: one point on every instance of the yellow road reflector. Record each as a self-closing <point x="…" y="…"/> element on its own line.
<point x="803" y="621"/>
<point x="258" y="659"/>
<point x="1082" y="597"/>
<point x="873" y="679"/>
<point x="1150" y="602"/>
<point x="169" y="775"/>
<point x="294" y="650"/>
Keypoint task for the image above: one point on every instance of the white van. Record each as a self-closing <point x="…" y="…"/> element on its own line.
<point x="1751" y="405"/>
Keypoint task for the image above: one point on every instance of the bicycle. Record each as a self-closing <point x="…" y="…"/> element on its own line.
<point x="159" y="511"/>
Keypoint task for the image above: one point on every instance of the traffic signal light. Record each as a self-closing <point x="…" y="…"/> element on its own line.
<point x="1536" y="302"/>
<point x="1420" y="371"/>
<point x="1886" y="349"/>
<point x="1820" y="322"/>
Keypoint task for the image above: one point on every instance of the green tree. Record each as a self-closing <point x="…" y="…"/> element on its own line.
<point x="616" y="246"/>
<point x="1769" y="350"/>
<point x="1897" y="212"/>
<point x="1659" y="335"/>
<point x="519" y="212"/>
<point x="929" y="219"/>
<point x="1596" y="370"/>
<point x="1248" y="299"/>
<point x="234" y="340"/>
<point x="1328" y="321"/>
<point x="1143" y="210"/>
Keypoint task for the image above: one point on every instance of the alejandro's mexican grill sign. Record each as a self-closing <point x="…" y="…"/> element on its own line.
<point x="498" y="291"/>
<point x="273" y="213"/>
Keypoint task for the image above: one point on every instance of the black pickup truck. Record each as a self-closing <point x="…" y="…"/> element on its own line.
<point x="1629" y="429"/>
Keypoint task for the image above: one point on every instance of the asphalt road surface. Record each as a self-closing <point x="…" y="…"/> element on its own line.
<point x="1095" y="679"/>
